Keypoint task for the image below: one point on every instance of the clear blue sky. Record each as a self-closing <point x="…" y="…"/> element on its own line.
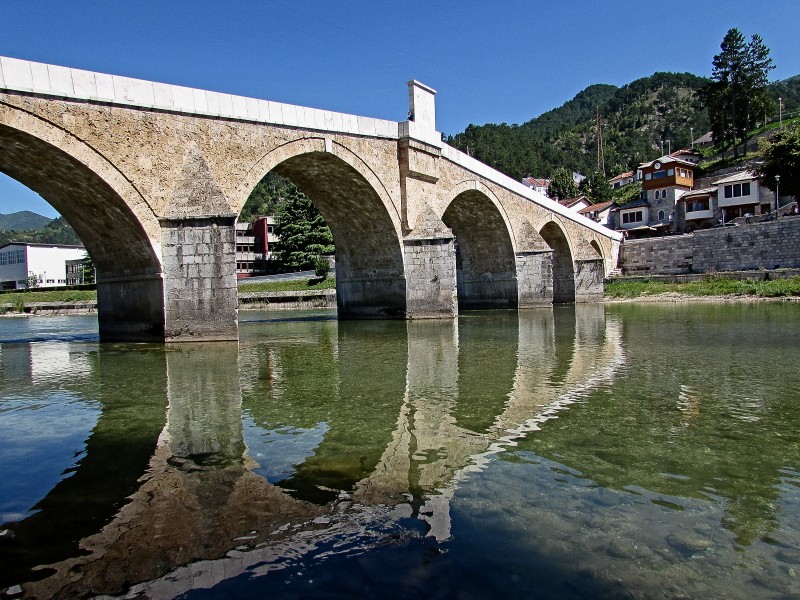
<point x="491" y="62"/>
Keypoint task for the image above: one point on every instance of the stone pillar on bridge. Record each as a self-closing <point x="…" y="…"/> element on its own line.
<point x="198" y="247"/>
<point x="534" y="260"/>
<point x="589" y="271"/>
<point x="589" y="277"/>
<point x="428" y="245"/>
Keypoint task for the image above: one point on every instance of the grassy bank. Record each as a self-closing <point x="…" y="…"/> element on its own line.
<point x="290" y="286"/>
<point x="719" y="286"/>
<point x="16" y="298"/>
<point x="19" y="299"/>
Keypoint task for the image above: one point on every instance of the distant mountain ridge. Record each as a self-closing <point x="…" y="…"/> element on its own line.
<point x="55" y="231"/>
<point x="23" y="220"/>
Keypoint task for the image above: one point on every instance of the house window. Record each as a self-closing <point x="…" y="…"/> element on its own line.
<point x="670" y="172"/>
<point x="746" y="189"/>
<point x="632" y="217"/>
<point x="697" y="206"/>
<point x="3" y="258"/>
<point x="648" y="176"/>
<point x="660" y="174"/>
<point x="729" y="191"/>
<point x="661" y="215"/>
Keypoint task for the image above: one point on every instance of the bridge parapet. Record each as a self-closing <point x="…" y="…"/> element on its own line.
<point x="76" y="84"/>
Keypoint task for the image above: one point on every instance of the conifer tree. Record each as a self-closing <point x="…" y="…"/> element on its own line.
<point x="737" y="93"/>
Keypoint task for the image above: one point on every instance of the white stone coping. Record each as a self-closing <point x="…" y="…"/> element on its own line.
<point x="64" y="82"/>
<point x="518" y="188"/>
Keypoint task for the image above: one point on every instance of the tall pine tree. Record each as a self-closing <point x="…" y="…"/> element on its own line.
<point x="303" y="235"/>
<point x="737" y="93"/>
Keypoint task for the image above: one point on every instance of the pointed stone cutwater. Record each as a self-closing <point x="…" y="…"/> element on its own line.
<point x="197" y="191"/>
<point x="198" y="241"/>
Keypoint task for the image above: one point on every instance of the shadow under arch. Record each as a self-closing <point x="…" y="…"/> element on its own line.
<point x="108" y="214"/>
<point x="563" y="264"/>
<point x="370" y="276"/>
<point x="597" y="248"/>
<point x="486" y="275"/>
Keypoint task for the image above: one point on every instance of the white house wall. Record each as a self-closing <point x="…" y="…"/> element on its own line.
<point x="49" y="263"/>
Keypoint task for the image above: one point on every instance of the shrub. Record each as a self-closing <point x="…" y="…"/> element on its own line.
<point x="321" y="266"/>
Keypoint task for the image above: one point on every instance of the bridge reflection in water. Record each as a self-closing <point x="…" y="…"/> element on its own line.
<point x="348" y="428"/>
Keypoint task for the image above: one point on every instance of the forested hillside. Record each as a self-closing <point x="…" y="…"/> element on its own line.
<point x="57" y="231"/>
<point x="640" y="121"/>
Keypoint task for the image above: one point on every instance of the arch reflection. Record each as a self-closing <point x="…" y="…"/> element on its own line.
<point x="317" y="433"/>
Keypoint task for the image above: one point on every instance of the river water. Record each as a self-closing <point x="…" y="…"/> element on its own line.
<point x="618" y="451"/>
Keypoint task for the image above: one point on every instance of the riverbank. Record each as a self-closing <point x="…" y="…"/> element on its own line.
<point x="716" y="287"/>
<point x="315" y="293"/>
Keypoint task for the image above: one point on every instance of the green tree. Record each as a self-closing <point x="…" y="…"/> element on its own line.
<point x="596" y="189"/>
<point x="266" y="197"/>
<point x="562" y="185"/>
<point x="781" y="154"/>
<point x="302" y="233"/>
<point x="737" y="93"/>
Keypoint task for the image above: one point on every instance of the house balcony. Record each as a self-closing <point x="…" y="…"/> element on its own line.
<point x="738" y="201"/>
<point x="699" y="214"/>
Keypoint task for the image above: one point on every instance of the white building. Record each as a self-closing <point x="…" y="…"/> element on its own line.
<point x="21" y="262"/>
<point x="740" y="194"/>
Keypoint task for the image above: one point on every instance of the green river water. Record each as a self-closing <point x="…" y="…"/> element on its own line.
<point x="595" y="451"/>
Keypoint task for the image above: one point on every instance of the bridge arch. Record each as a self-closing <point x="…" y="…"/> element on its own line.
<point x="563" y="262"/>
<point x="370" y="275"/>
<point x="117" y="226"/>
<point x="486" y="275"/>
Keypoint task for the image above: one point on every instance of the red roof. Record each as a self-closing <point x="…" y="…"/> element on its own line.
<point x="622" y="176"/>
<point x="600" y="207"/>
<point x="533" y="181"/>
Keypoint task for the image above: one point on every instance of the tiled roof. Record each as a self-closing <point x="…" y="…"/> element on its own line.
<point x="570" y="202"/>
<point x="536" y="182"/>
<point x="668" y="159"/>
<point x="634" y="204"/>
<point x="622" y="176"/>
<point x="697" y="193"/>
<point x="740" y="176"/>
<point x="599" y="207"/>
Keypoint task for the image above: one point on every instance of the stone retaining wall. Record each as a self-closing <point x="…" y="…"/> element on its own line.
<point x="769" y="245"/>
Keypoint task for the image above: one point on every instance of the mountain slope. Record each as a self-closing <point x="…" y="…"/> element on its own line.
<point x="636" y="119"/>
<point x="23" y="220"/>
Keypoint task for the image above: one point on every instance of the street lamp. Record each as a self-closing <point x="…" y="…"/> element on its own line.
<point x="780" y="112"/>
<point x="691" y="130"/>
<point x="777" y="194"/>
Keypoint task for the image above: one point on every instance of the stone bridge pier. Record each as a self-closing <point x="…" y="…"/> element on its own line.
<point x="153" y="176"/>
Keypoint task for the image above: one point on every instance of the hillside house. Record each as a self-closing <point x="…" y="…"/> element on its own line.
<point x="537" y="185"/>
<point x="599" y="213"/>
<point x="740" y="195"/>
<point x="664" y="180"/>
<point x="621" y="180"/>
<point x="577" y="203"/>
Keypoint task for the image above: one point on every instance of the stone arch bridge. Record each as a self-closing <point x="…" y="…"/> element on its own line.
<point x="153" y="176"/>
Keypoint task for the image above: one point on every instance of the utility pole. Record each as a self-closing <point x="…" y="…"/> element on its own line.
<point x="601" y="161"/>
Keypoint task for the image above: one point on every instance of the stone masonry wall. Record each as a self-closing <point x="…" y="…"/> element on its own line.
<point x="757" y="246"/>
